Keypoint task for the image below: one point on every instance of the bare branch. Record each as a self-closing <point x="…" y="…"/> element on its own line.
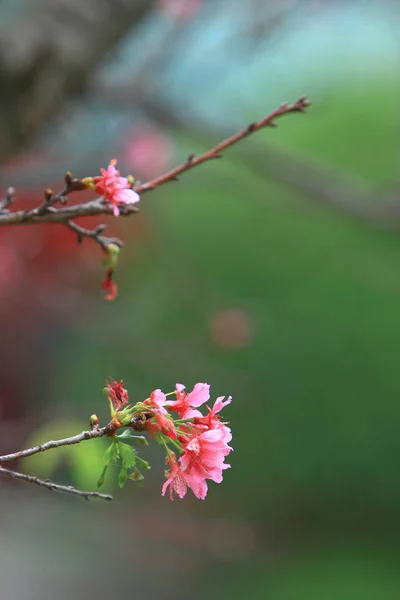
<point x="269" y="121"/>
<point x="47" y="213"/>
<point x="69" y="441"/>
<point x="93" y="234"/>
<point x="67" y="489"/>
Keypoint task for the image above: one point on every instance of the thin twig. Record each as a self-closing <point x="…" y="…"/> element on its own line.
<point x="64" y="214"/>
<point x="50" y="485"/>
<point x="93" y="234"/>
<point x="69" y="441"/>
<point x="192" y="161"/>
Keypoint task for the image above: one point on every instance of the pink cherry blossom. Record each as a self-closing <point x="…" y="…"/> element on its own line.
<point x="115" y="189"/>
<point x="185" y="403"/>
<point x="158" y="399"/>
<point x="176" y="480"/>
<point x="204" y="456"/>
<point x="162" y="422"/>
<point x="212" y="419"/>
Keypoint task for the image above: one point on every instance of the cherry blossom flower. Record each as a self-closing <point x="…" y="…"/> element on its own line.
<point x="157" y="399"/>
<point x="204" y="457"/>
<point x="212" y="419"/>
<point x="115" y="189"/>
<point x="185" y="403"/>
<point x="117" y="393"/>
<point x="176" y="480"/>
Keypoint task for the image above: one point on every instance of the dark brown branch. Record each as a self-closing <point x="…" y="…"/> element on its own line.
<point x="93" y="234"/>
<point x="49" y="214"/>
<point x="67" y="489"/>
<point x="269" y="121"/>
<point x="64" y="214"/>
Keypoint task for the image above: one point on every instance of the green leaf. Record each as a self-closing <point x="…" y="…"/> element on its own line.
<point x="100" y="480"/>
<point x="143" y="463"/>
<point x="123" y="476"/>
<point x="112" y="453"/>
<point x="127" y="454"/>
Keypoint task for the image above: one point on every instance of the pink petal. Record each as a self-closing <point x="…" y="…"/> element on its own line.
<point x="199" y="395"/>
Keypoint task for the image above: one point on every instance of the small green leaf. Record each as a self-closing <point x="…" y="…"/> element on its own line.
<point x="112" y="453"/>
<point x="127" y="454"/>
<point x="123" y="476"/>
<point x="143" y="463"/>
<point x="100" y="481"/>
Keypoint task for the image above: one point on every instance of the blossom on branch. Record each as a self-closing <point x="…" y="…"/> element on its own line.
<point x="185" y="403"/>
<point x="176" y="481"/>
<point x="115" y="189"/>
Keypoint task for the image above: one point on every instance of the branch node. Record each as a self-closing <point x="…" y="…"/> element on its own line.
<point x="99" y="229"/>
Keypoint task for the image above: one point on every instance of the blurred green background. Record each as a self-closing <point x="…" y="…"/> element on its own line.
<point x="273" y="274"/>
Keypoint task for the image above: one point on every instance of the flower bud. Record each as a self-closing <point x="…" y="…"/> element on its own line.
<point x="94" y="421"/>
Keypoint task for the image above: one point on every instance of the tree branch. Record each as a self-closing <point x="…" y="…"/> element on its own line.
<point x="69" y="441"/>
<point x="53" y="486"/>
<point x="47" y="213"/>
<point x="95" y="432"/>
<point x="269" y="121"/>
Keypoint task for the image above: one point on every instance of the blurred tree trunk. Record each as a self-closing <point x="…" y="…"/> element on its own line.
<point x="49" y="55"/>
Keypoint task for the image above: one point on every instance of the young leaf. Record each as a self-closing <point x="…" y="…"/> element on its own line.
<point x="123" y="476"/>
<point x="127" y="454"/>
<point x="100" y="481"/>
<point x="112" y="453"/>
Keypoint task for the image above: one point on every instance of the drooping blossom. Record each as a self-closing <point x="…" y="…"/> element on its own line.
<point x="185" y="403"/>
<point x="117" y="393"/>
<point x="115" y="189"/>
<point x="175" y="479"/>
<point x="203" y="459"/>
<point x="109" y="286"/>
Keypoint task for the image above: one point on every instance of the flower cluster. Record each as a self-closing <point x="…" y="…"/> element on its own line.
<point x="115" y="189"/>
<point x="196" y="444"/>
